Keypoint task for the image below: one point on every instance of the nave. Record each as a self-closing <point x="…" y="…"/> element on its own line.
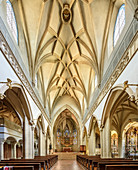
<point x="69" y="84"/>
<point x="67" y="165"/>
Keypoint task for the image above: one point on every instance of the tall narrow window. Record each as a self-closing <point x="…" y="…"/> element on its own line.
<point x="120" y="23"/>
<point x="11" y="20"/>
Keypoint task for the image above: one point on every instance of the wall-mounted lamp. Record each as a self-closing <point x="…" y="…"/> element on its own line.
<point x="8" y="83"/>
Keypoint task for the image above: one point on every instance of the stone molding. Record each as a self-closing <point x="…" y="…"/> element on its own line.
<point x="7" y="52"/>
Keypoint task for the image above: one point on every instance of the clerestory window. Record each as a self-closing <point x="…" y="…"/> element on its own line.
<point x="11" y="20"/>
<point x="119" y="24"/>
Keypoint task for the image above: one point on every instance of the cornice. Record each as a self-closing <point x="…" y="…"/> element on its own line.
<point x="8" y="54"/>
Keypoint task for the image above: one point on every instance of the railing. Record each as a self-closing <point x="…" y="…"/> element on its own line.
<point x="11" y="125"/>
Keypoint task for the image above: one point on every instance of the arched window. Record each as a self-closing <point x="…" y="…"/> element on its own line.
<point x="120" y="23"/>
<point x="11" y="20"/>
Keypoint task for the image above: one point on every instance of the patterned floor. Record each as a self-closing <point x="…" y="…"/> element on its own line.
<point x="67" y="165"/>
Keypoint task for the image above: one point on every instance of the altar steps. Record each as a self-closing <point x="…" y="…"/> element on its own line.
<point x="67" y="155"/>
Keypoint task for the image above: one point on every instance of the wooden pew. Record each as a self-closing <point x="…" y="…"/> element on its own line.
<point x="122" y="167"/>
<point x="91" y="162"/>
<point x="102" y="165"/>
<point x="31" y="162"/>
<point x="36" y="166"/>
<point x="49" y="159"/>
<point x="96" y="161"/>
<point x="21" y="167"/>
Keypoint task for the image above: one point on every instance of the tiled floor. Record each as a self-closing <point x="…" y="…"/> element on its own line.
<point x="67" y="165"/>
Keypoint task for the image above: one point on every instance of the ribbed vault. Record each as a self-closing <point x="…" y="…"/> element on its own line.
<point x="66" y="42"/>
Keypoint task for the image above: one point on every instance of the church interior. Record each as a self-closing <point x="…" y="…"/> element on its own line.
<point x="69" y="84"/>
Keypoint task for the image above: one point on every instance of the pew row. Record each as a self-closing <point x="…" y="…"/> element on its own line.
<point x="21" y="165"/>
<point x="92" y="162"/>
<point x="122" y="167"/>
<point x="45" y="162"/>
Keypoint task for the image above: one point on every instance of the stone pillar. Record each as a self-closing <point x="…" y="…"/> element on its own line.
<point x="28" y="144"/>
<point x="103" y="143"/>
<point x="89" y="146"/>
<point x="101" y="140"/>
<point x="32" y="130"/>
<point x="108" y="138"/>
<point x="14" y="150"/>
<point x="81" y="136"/>
<point x="1" y="150"/>
<point x="40" y="142"/>
<point x="119" y="146"/>
<point x="88" y="141"/>
<point x="93" y="142"/>
<point x="43" y="143"/>
<point x="123" y="147"/>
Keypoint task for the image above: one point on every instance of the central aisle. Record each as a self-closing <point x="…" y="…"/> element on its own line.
<point x="67" y="165"/>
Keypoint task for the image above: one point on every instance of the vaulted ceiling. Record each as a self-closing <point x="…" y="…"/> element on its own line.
<point x="66" y="42"/>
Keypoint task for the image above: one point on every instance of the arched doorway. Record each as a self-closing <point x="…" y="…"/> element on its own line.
<point x="66" y="133"/>
<point x="11" y="129"/>
<point x="17" y="116"/>
<point x="9" y="148"/>
<point x="119" y="109"/>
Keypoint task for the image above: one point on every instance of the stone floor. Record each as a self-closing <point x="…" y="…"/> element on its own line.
<point x="67" y="165"/>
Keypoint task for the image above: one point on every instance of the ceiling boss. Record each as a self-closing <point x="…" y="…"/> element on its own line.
<point x="66" y="14"/>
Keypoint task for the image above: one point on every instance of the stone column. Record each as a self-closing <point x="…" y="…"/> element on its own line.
<point x="40" y="142"/>
<point x="14" y="150"/>
<point x="103" y="143"/>
<point x="119" y="145"/>
<point x="123" y="151"/>
<point x="43" y="144"/>
<point x="101" y="140"/>
<point x="1" y="150"/>
<point x="93" y="142"/>
<point x="93" y="138"/>
<point x="81" y="135"/>
<point x="28" y="145"/>
<point x="32" y="130"/>
<point x="108" y="138"/>
<point x="90" y="144"/>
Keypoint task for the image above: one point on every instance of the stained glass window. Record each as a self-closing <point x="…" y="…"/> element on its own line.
<point x="120" y="23"/>
<point x="11" y="20"/>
